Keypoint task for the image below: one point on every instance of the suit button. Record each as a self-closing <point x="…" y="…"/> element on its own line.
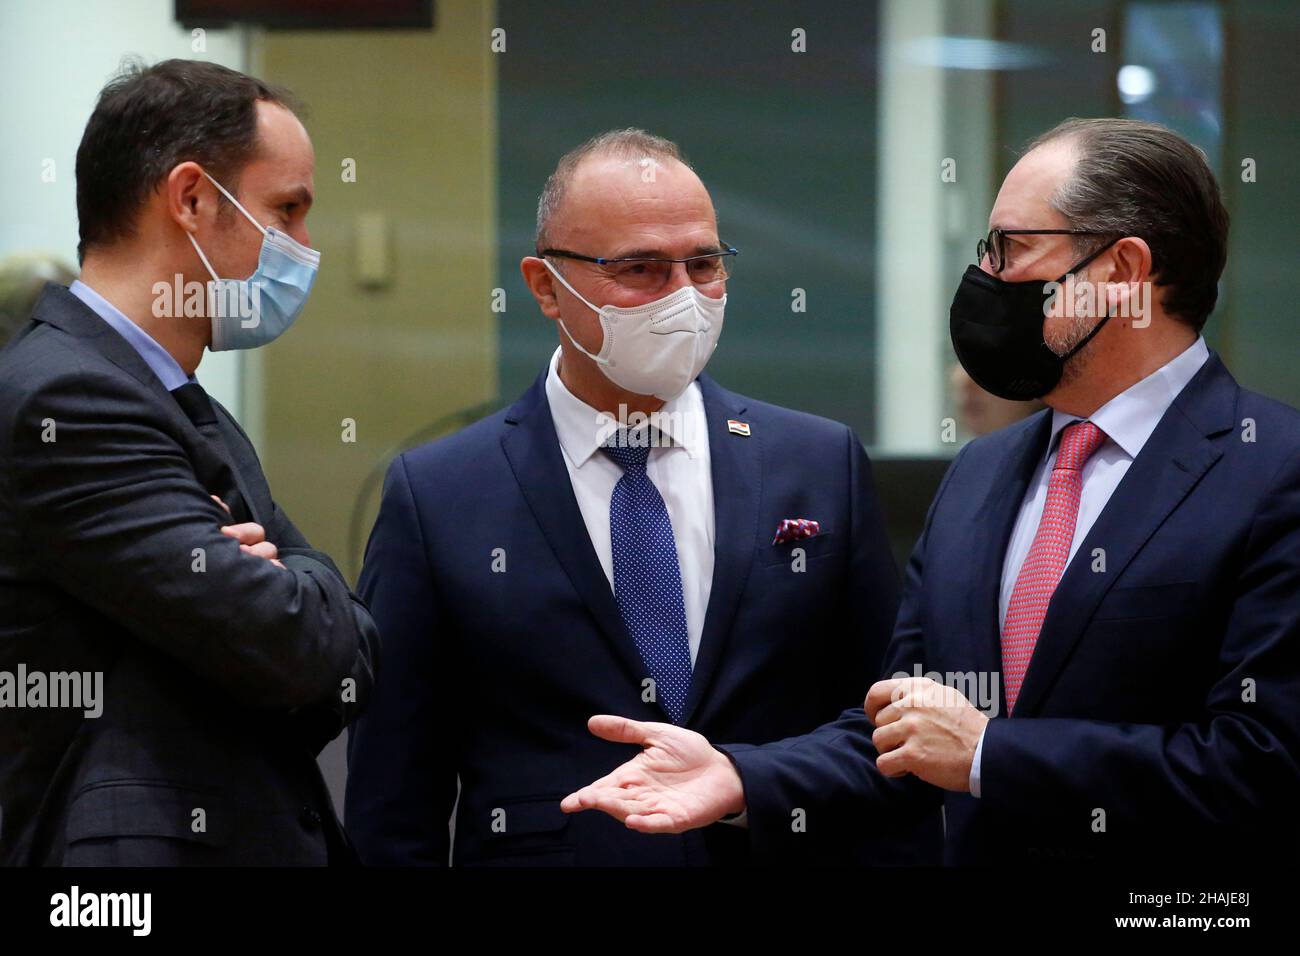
<point x="309" y="818"/>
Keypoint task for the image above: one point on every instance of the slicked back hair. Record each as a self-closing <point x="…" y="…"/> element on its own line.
<point x="1141" y="179"/>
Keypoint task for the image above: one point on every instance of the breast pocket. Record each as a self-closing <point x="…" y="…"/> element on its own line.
<point x="803" y="549"/>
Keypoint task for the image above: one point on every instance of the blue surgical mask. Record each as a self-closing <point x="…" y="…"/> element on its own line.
<point x="246" y="313"/>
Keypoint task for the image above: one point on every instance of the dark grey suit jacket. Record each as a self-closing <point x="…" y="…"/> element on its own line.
<point x="223" y="675"/>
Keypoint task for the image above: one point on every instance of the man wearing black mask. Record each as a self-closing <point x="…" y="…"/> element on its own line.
<point x="1096" y="654"/>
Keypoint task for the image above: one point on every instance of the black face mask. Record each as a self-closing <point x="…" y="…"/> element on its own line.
<point x="997" y="332"/>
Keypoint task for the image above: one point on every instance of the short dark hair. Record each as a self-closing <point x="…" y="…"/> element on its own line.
<point x="1141" y="179"/>
<point x="149" y="119"/>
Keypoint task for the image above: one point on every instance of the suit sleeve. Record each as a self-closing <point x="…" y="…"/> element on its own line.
<point x="109" y="509"/>
<point x="401" y="767"/>
<point x="322" y="721"/>
<point x="832" y="770"/>
<point x="1235" y="767"/>
<point x="871" y="592"/>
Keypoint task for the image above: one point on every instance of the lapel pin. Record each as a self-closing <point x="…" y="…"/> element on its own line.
<point x="738" y="428"/>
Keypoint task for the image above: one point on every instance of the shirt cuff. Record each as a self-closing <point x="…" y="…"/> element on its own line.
<point x="975" y="765"/>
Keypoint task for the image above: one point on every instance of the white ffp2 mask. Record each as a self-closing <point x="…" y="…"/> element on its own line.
<point x="658" y="348"/>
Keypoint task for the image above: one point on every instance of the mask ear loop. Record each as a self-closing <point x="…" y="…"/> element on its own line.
<point x="238" y="206"/>
<point x="215" y="281"/>
<point x="1096" y="328"/>
<point x="564" y="282"/>
<point x="207" y="265"/>
<point x="1082" y="262"/>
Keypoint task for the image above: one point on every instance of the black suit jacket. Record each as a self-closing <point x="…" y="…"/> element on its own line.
<point x="1159" y="718"/>
<point x="503" y="636"/>
<point x="223" y="675"/>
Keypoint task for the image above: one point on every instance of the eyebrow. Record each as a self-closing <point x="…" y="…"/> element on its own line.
<point x="1020" y="240"/>
<point x="299" y="194"/>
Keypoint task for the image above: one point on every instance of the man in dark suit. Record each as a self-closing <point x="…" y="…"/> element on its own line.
<point x="627" y="535"/>
<point x="215" y="651"/>
<point x="1124" y="565"/>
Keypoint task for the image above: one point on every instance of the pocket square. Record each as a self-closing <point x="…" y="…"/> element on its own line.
<point x="792" y="529"/>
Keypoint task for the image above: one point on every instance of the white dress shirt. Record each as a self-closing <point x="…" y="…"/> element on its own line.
<point x="1128" y="420"/>
<point x="680" y="472"/>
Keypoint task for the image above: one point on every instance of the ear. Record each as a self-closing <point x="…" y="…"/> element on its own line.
<point x="541" y="284"/>
<point x="188" y="196"/>
<point x="1126" y="269"/>
<point x="1131" y="258"/>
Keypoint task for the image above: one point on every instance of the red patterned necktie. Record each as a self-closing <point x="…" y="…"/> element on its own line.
<point x="1047" y="556"/>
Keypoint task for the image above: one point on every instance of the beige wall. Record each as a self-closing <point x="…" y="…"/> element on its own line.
<point x="417" y="112"/>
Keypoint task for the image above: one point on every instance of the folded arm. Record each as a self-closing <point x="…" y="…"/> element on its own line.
<point x="108" y="506"/>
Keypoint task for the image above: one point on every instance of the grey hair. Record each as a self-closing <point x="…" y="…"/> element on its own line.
<point x="1141" y="179"/>
<point x="630" y="143"/>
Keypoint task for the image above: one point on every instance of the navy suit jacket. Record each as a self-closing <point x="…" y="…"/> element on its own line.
<point x="1160" y="714"/>
<point x="492" y="672"/>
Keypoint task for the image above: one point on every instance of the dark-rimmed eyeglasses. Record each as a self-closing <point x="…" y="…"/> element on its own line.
<point x="650" y="274"/>
<point x="994" y="247"/>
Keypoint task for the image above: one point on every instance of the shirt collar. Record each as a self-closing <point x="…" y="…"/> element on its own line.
<point x="159" y="360"/>
<point x="1130" y="417"/>
<point x="582" y="429"/>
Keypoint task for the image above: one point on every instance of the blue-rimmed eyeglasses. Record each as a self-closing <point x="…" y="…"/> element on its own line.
<point x="650" y="273"/>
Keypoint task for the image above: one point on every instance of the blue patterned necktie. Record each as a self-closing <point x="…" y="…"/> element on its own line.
<point x="647" y="578"/>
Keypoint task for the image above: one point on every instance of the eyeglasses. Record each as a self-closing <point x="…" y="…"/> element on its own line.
<point x="994" y="248"/>
<point x="650" y="274"/>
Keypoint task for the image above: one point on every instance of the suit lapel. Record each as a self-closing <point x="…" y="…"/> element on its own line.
<point x="1176" y="456"/>
<point x="249" y="478"/>
<point x="533" y="450"/>
<point x="997" y="519"/>
<point x="736" y="470"/>
<point x="62" y="309"/>
<point x="233" y="440"/>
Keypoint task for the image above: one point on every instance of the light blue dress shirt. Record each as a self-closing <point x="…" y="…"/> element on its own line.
<point x="1128" y="420"/>
<point x="158" y="359"/>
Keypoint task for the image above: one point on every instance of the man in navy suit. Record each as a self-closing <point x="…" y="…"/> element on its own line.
<point x="1097" y="655"/>
<point x="627" y="536"/>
